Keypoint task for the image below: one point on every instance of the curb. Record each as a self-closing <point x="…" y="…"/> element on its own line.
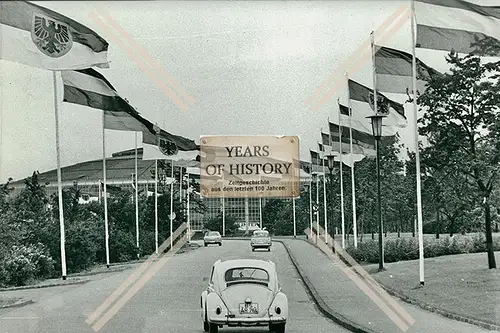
<point x="82" y="281"/>
<point x="427" y="307"/>
<point x="18" y="304"/>
<point x="109" y="270"/>
<point x="323" y="307"/>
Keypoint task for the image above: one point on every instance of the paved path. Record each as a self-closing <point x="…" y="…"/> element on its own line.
<point x="168" y="303"/>
<point x="345" y="298"/>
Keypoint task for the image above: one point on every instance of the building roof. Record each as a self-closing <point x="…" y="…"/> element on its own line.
<point x="119" y="167"/>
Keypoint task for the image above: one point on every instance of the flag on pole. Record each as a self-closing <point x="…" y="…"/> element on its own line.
<point x="39" y="37"/>
<point x="360" y="123"/>
<point x="335" y="146"/>
<point x="458" y="25"/>
<point x="362" y="143"/>
<point x="362" y="101"/>
<point x="394" y="71"/>
<point x="90" y="88"/>
<point x="348" y="158"/>
<point x="316" y="162"/>
<point x="160" y="144"/>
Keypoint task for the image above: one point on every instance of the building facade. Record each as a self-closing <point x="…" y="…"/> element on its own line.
<point x="120" y="171"/>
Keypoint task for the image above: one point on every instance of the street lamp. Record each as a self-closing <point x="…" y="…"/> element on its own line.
<point x="316" y="213"/>
<point x="331" y="164"/>
<point x="377" y="133"/>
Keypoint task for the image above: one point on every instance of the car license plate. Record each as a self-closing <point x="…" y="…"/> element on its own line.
<point x="247" y="308"/>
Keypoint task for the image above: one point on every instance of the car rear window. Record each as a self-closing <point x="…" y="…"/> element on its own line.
<point x="246" y="274"/>
<point x="213" y="233"/>
<point x="261" y="234"/>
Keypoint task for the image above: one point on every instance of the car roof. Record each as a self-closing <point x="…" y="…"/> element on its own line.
<point x="257" y="263"/>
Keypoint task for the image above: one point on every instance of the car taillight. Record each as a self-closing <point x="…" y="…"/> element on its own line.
<point x="218" y="311"/>
<point x="278" y="310"/>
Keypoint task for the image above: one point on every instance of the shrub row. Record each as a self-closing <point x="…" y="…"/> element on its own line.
<point x="25" y="264"/>
<point x="400" y="249"/>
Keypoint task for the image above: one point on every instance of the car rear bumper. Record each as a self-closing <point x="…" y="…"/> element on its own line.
<point x="265" y="321"/>
<point x="261" y="245"/>
<point x="212" y="241"/>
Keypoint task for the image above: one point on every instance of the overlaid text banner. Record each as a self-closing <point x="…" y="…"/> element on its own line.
<point x="249" y="166"/>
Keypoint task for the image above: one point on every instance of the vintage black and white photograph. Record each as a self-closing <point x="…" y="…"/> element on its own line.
<point x="325" y="166"/>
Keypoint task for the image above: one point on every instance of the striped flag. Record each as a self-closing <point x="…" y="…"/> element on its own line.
<point x="316" y="159"/>
<point x="360" y="122"/>
<point x="335" y="145"/>
<point x="36" y="36"/>
<point x="362" y="101"/>
<point x="89" y="88"/>
<point x="394" y="71"/>
<point x="160" y="144"/>
<point x="362" y="143"/>
<point x="458" y="25"/>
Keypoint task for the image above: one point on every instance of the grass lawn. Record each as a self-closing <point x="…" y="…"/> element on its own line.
<point x="460" y="284"/>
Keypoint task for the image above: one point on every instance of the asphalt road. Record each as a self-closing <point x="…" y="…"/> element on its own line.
<point x="169" y="302"/>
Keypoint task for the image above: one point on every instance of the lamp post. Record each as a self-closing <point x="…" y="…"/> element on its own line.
<point x="331" y="164"/>
<point x="308" y="188"/>
<point x="315" y="180"/>
<point x="377" y="133"/>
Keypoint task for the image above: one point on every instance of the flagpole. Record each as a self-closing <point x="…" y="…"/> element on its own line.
<point x="136" y="201"/>
<point x="377" y="145"/>
<point x="59" y="182"/>
<point x="353" y="183"/>
<point x="180" y="185"/>
<point x="341" y="185"/>
<point x="317" y="210"/>
<point x="294" y="220"/>
<point x="188" y="192"/>
<point x="310" y="203"/>
<point x="324" y="196"/>
<point x="330" y="143"/>
<point x="105" y="187"/>
<point x="223" y="210"/>
<point x="417" y="154"/>
<point x="156" y="206"/>
<point x="172" y="207"/>
<point x="260" y="212"/>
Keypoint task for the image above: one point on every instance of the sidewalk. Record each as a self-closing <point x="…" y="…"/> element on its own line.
<point x="339" y="296"/>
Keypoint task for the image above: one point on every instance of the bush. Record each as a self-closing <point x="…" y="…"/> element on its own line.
<point x="400" y="249"/>
<point x="24" y="264"/>
<point x="122" y="246"/>
<point x="83" y="239"/>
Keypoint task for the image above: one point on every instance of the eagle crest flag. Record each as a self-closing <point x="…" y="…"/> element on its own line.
<point x="39" y="37"/>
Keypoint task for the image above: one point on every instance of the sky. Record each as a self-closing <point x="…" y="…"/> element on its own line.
<point x="249" y="66"/>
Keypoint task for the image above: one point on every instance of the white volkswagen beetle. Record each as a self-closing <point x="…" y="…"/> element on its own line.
<point x="244" y="292"/>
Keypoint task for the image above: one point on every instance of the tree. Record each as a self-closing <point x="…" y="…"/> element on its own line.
<point x="215" y="224"/>
<point x="462" y="125"/>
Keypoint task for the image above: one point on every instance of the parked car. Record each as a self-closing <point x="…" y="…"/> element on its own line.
<point x="212" y="237"/>
<point x="261" y="239"/>
<point x="244" y="292"/>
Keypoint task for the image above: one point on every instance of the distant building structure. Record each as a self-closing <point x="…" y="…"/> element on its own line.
<point x="120" y="169"/>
